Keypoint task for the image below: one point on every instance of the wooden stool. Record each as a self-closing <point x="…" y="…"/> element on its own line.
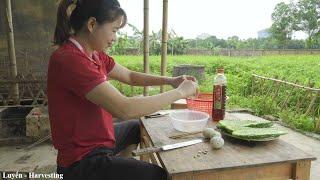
<point x="179" y="104"/>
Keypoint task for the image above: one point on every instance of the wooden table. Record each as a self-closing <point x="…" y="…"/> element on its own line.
<point x="235" y="160"/>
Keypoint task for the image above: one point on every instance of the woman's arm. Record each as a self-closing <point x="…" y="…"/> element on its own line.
<point x="133" y="78"/>
<point x="143" y="79"/>
<point x="109" y="98"/>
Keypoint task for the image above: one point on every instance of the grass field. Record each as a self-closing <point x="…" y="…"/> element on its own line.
<point x="301" y="69"/>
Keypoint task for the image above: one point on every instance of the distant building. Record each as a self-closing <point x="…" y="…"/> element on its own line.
<point x="203" y="36"/>
<point x="263" y="34"/>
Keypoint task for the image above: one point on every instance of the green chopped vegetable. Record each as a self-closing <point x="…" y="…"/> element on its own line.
<point x="250" y="129"/>
<point x="231" y="125"/>
<point x="257" y="133"/>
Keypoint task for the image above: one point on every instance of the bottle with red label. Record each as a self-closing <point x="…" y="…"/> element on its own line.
<point x="219" y="95"/>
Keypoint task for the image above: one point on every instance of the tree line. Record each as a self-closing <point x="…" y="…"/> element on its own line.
<point x="287" y="18"/>
<point x="34" y="22"/>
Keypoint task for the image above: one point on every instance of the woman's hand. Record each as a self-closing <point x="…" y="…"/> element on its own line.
<point x="187" y="88"/>
<point x="176" y="81"/>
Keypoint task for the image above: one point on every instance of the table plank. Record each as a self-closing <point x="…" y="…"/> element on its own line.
<point x="275" y="172"/>
<point x="233" y="154"/>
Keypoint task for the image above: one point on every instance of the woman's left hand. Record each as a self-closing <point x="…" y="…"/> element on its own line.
<point x="176" y="81"/>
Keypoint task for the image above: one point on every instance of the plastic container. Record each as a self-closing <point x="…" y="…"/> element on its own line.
<point x="203" y="102"/>
<point x="188" y="120"/>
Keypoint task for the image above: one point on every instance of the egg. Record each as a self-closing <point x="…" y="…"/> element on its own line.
<point x="209" y="133"/>
<point x="216" y="142"/>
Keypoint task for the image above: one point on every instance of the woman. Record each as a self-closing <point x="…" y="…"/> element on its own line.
<point x="82" y="102"/>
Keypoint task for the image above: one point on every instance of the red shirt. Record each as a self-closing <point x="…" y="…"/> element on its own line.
<point x="77" y="125"/>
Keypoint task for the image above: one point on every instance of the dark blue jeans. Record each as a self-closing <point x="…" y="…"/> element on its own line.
<point x="102" y="164"/>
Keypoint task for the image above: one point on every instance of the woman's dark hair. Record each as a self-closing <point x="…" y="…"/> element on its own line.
<point x="103" y="10"/>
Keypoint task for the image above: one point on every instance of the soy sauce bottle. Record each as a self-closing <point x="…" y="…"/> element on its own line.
<point x="219" y="95"/>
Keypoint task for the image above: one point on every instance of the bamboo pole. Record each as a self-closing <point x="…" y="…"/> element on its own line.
<point x="289" y="94"/>
<point x="285" y="82"/>
<point x="262" y="81"/>
<point x="272" y="86"/>
<point x="313" y="100"/>
<point x="317" y="129"/>
<point x="300" y="99"/>
<point x="304" y="98"/>
<point x="146" y="66"/>
<point x="11" y="49"/>
<point x="276" y="92"/>
<point x="252" y="87"/>
<point x="164" y="48"/>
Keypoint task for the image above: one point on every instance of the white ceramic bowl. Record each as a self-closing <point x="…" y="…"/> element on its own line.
<point x="188" y="120"/>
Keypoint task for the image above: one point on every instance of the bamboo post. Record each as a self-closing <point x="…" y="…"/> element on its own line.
<point x="304" y="98"/>
<point x="284" y="88"/>
<point x="276" y="92"/>
<point x="146" y="66"/>
<point x="317" y="128"/>
<point x="300" y="99"/>
<point x="283" y="91"/>
<point x="252" y="85"/>
<point x="269" y="90"/>
<point x="312" y="103"/>
<point x="272" y="86"/>
<point x="262" y="81"/>
<point x="11" y="49"/>
<point x="164" y="41"/>
<point x="289" y="93"/>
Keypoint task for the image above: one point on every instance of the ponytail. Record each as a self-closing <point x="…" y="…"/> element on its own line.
<point x="63" y="26"/>
<point x="67" y="23"/>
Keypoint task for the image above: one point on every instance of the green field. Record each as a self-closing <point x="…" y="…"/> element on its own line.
<point x="301" y="69"/>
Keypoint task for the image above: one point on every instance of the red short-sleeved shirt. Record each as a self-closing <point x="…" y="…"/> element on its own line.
<point x="77" y="125"/>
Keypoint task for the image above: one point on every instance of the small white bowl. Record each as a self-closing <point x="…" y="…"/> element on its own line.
<point x="188" y="120"/>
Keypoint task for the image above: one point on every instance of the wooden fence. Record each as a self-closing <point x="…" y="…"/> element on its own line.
<point x="32" y="91"/>
<point x="35" y="62"/>
<point x="289" y="96"/>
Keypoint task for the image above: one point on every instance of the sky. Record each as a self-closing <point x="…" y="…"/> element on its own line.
<point x="190" y="18"/>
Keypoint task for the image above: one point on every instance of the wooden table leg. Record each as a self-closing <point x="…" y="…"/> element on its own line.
<point x="152" y="156"/>
<point x="143" y="144"/>
<point x="301" y="170"/>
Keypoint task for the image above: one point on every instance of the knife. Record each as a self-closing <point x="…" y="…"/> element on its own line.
<point x="156" y="115"/>
<point x="149" y="150"/>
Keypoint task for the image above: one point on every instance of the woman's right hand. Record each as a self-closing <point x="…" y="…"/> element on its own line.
<point x="187" y="88"/>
